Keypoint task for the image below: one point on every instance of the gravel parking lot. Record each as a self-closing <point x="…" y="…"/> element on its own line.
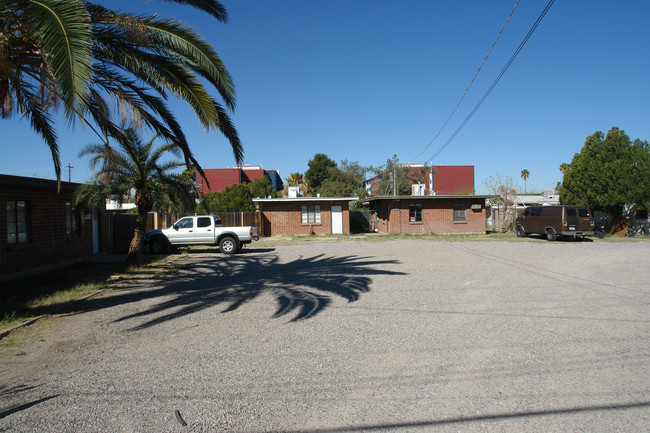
<point x="391" y="336"/>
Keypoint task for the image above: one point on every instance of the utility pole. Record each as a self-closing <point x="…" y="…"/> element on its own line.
<point x="70" y="172"/>
<point x="395" y="175"/>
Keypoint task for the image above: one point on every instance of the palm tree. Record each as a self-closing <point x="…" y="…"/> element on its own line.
<point x="110" y="70"/>
<point x="564" y="167"/>
<point x="295" y="179"/>
<point x="525" y="175"/>
<point x="137" y="166"/>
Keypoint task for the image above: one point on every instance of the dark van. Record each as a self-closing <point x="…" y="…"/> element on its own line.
<point x="554" y="221"/>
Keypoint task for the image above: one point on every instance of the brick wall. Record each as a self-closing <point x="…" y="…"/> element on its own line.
<point x="285" y="218"/>
<point x="48" y="241"/>
<point x="437" y="216"/>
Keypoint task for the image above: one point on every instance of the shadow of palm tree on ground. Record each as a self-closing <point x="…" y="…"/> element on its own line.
<point x="301" y="288"/>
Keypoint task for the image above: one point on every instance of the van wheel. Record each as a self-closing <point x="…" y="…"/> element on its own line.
<point x="521" y="232"/>
<point x="551" y="235"/>
<point x="228" y="245"/>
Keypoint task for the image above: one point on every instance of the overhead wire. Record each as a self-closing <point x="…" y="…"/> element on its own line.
<point x="496" y="81"/>
<point x="471" y="82"/>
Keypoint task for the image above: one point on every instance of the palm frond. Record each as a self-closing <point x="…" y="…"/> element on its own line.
<point x="228" y="130"/>
<point x="188" y="46"/>
<point x="63" y="30"/>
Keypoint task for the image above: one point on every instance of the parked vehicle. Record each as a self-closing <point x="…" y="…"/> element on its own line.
<point x="639" y="223"/>
<point x="554" y="221"/>
<point x="199" y="230"/>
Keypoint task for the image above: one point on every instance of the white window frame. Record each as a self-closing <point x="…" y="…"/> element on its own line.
<point x="310" y="214"/>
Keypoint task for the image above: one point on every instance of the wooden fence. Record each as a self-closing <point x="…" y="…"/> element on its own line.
<point x="158" y="220"/>
<point x="121" y="226"/>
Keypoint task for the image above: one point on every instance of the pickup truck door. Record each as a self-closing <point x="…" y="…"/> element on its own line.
<point x="204" y="232"/>
<point x="183" y="231"/>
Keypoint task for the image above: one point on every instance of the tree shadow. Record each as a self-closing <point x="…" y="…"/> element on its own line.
<point x="301" y="288"/>
<point x="12" y="391"/>
<point x="408" y="426"/>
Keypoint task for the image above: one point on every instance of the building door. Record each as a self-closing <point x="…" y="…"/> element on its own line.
<point x="337" y="220"/>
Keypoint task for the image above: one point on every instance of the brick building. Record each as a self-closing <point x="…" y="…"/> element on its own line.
<point x="430" y="214"/>
<point x="41" y="229"/>
<point x="304" y="215"/>
<point x="217" y="179"/>
<point x="441" y="180"/>
<point x="453" y="179"/>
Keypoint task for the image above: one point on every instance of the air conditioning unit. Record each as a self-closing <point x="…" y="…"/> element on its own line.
<point x="294" y="191"/>
<point x="417" y="189"/>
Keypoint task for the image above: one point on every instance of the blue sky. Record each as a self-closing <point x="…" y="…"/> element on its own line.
<point x="363" y="80"/>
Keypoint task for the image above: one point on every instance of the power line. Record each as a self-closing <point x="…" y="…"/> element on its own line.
<point x="471" y="82"/>
<point x="514" y="56"/>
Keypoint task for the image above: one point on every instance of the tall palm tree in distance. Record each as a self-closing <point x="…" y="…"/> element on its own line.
<point x="564" y="167"/>
<point x="110" y="70"/>
<point x="525" y="175"/>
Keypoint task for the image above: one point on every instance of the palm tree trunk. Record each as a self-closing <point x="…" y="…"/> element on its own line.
<point x="137" y="243"/>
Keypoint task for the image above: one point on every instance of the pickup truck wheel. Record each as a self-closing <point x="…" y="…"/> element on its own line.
<point x="520" y="232"/>
<point x="551" y="235"/>
<point x="228" y="245"/>
<point x="600" y="234"/>
<point x="158" y="246"/>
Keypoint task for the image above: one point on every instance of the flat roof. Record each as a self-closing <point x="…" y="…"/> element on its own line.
<point x="298" y="199"/>
<point x="35" y="182"/>
<point x="427" y="197"/>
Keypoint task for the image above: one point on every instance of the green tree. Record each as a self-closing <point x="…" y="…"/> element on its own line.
<point x="110" y="70"/>
<point x="319" y="169"/>
<point x="525" y="174"/>
<point x="345" y="180"/>
<point x="393" y="177"/>
<point x="178" y="200"/>
<point x="133" y="166"/>
<point x="236" y="198"/>
<point x="610" y="173"/>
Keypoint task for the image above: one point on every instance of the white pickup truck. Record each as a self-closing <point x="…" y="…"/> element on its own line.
<point x="199" y="230"/>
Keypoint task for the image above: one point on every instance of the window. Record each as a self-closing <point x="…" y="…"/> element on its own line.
<point x="72" y="221"/>
<point x="311" y="214"/>
<point x="641" y="214"/>
<point x="185" y="223"/>
<point x="17" y="221"/>
<point x="583" y="212"/>
<point x="204" y="222"/>
<point x="415" y="213"/>
<point x="459" y="212"/>
<point x="571" y="212"/>
<point x="536" y="211"/>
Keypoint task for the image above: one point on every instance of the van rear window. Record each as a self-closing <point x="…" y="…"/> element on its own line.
<point x="570" y="212"/>
<point x="583" y="213"/>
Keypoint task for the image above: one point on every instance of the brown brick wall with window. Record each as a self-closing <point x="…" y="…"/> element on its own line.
<point x="285" y="218"/>
<point x="437" y="216"/>
<point x="48" y="242"/>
